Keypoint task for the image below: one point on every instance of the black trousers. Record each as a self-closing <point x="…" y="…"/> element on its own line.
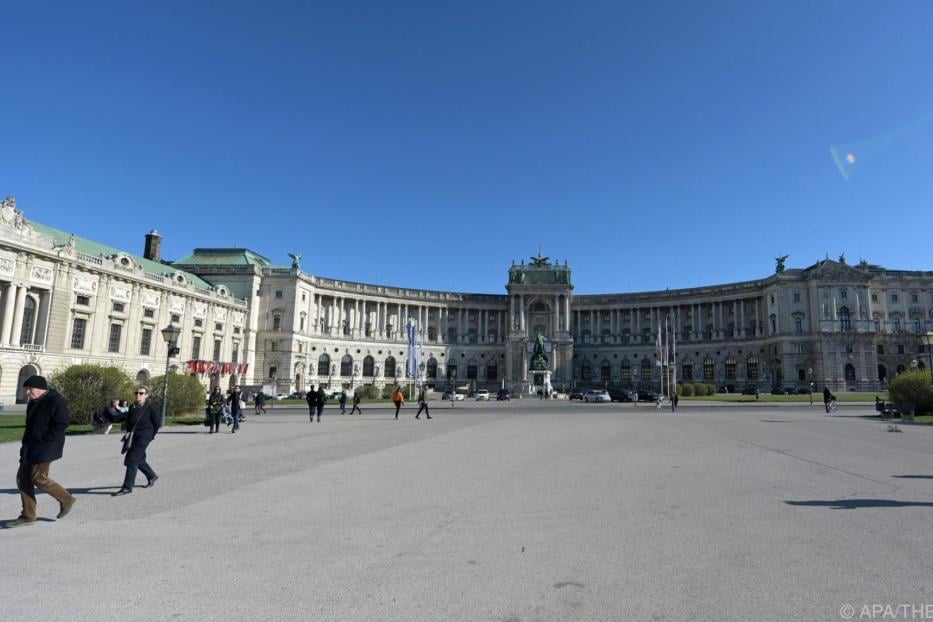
<point x="424" y="407"/>
<point x="136" y="461"/>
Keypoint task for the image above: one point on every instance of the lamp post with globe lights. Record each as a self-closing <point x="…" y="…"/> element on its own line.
<point x="170" y="333"/>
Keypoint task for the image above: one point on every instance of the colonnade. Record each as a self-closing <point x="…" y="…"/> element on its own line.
<point x="339" y="316"/>
<point x="738" y="318"/>
<point x="15" y="308"/>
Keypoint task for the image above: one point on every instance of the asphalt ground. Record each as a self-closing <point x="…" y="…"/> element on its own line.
<point x="517" y="511"/>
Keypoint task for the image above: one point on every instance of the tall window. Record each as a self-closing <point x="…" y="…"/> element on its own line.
<point x="896" y="325"/>
<point x="730" y="368"/>
<point x="346" y="365"/>
<point x="216" y="350"/>
<point x="844" y="322"/>
<point x="472" y="369"/>
<point x="709" y="369"/>
<point x="850" y="373"/>
<point x="626" y="371"/>
<point x="492" y="370"/>
<point x="751" y="368"/>
<point x="323" y="365"/>
<point x="145" y="342"/>
<point x="113" y="343"/>
<point x="798" y="324"/>
<point x="605" y="371"/>
<point x="236" y="352"/>
<point x="369" y="366"/>
<point x="645" y="370"/>
<point x="29" y="320"/>
<point x="432" y="367"/>
<point x="389" y="367"/>
<point x="196" y="347"/>
<point x="586" y="372"/>
<point x="687" y="369"/>
<point x="78" y="328"/>
<point x="276" y="322"/>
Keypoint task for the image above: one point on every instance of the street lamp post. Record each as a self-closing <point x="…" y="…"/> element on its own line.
<point x="170" y="333"/>
<point x="453" y="390"/>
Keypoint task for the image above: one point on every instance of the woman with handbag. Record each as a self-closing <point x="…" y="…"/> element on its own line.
<point x="215" y="406"/>
<point x="142" y="424"/>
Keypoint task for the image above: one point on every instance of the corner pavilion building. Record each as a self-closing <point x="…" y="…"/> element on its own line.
<point x="65" y="299"/>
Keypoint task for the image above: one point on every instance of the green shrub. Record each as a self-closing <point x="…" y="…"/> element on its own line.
<point x="711" y="389"/>
<point x="686" y="390"/>
<point x="699" y="389"/>
<point x="913" y="387"/>
<point x="89" y="388"/>
<point x="186" y="394"/>
<point x="369" y="392"/>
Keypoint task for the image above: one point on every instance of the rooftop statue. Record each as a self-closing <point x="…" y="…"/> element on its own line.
<point x="296" y="260"/>
<point x="780" y="263"/>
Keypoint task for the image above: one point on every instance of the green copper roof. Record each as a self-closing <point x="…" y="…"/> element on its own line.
<point x="225" y="257"/>
<point x="96" y="249"/>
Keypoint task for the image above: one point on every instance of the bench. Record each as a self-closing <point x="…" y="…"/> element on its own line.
<point x="905" y="411"/>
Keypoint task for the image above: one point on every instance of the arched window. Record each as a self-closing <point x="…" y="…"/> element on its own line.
<point x="900" y="369"/>
<point x="751" y="368"/>
<point x="773" y="319"/>
<point x="471" y="369"/>
<point x="29" y="320"/>
<point x="686" y="369"/>
<point x="323" y="365"/>
<point x="709" y="369"/>
<point x="369" y="366"/>
<point x="346" y="365"/>
<point x="389" y="368"/>
<point x="432" y="368"/>
<point x="492" y="370"/>
<point x="798" y="324"/>
<point x="586" y="372"/>
<point x="882" y="372"/>
<point x="730" y="368"/>
<point x="276" y="322"/>
<point x="844" y="323"/>
<point x="605" y="371"/>
<point x="626" y="371"/>
<point x="452" y="372"/>
<point x="850" y="373"/>
<point x="645" y="370"/>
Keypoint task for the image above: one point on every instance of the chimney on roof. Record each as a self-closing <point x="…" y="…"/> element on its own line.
<point x="153" y="248"/>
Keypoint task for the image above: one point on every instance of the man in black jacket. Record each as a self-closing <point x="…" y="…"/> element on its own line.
<point x="311" y="398"/>
<point x="43" y="443"/>
<point x="143" y="423"/>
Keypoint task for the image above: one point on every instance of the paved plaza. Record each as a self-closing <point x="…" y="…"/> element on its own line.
<point x="516" y="511"/>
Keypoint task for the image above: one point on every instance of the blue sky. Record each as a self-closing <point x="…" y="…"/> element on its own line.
<point x="428" y="144"/>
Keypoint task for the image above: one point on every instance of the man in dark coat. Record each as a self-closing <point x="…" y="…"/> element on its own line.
<point x="236" y="412"/>
<point x="43" y="443"/>
<point x="311" y="398"/>
<point x="143" y="423"/>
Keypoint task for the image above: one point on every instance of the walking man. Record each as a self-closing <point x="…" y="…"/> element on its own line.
<point x="311" y="398"/>
<point x="423" y="404"/>
<point x="343" y="402"/>
<point x="43" y="443"/>
<point x="356" y="404"/>
<point x="235" y="410"/>
<point x="321" y="399"/>
<point x="260" y="401"/>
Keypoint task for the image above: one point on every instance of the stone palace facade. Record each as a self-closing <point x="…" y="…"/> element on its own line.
<point x="67" y="300"/>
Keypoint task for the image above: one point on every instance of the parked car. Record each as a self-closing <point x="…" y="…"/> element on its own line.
<point x="750" y="391"/>
<point x="647" y="396"/>
<point x="621" y="395"/>
<point x="597" y="395"/>
<point x="297" y="395"/>
<point x="457" y="397"/>
<point x="803" y="390"/>
<point x="777" y="391"/>
<point x="482" y="395"/>
<point x="576" y="394"/>
<point x="503" y="395"/>
<point x="279" y="396"/>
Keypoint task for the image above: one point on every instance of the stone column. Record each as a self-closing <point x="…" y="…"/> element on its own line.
<point x="42" y="317"/>
<point x="556" y="314"/>
<point x="567" y="313"/>
<point x="9" y="300"/>
<point x="521" y="301"/>
<point x="18" y="316"/>
<point x="742" y="333"/>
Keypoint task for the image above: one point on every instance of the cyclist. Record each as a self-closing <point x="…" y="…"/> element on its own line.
<point x="828" y="398"/>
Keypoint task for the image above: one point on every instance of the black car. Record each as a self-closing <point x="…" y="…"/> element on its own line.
<point x="647" y="396"/>
<point x="576" y="394"/>
<point x="750" y="391"/>
<point x="621" y="395"/>
<point x="503" y="395"/>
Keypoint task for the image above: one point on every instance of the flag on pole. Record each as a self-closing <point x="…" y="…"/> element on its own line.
<point x="657" y="347"/>
<point x="667" y="336"/>
<point x="410" y="331"/>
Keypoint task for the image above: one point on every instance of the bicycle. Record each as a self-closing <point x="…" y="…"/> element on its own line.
<point x="831" y="406"/>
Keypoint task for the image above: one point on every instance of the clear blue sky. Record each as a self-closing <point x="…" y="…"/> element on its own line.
<point x="427" y="144"/>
